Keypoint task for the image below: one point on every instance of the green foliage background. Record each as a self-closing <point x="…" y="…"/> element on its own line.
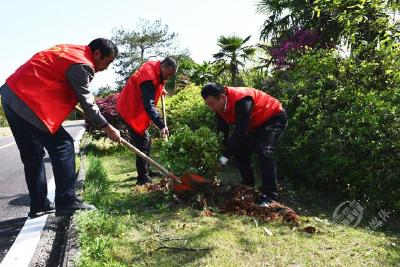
<point x="187" y="108"/>
<point x="343" y="133"/>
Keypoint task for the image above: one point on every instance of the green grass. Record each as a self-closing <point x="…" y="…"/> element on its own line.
<point x="131" y="227"/>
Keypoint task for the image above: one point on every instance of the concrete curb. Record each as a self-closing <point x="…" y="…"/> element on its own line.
<point x="71" y="249"/>
<point x="59" y="244"/>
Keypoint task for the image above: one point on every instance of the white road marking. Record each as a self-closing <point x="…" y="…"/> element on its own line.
<point x="10" y="144"/>
<point x="24" y="246"/>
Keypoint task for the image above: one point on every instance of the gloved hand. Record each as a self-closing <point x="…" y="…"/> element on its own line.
<point x="222" y="161"/>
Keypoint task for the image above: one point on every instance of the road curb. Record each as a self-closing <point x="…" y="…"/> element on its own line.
<point x="71" y="249"/>
<point x="59" y="244"/>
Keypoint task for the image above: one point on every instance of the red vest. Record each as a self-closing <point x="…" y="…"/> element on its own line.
<point x="265" y="106"/>
<point x="129" y="102"/>
<point x="42" y="85"/>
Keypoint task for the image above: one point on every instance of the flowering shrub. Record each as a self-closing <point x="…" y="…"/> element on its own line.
<point x="108" y="109"/>
<point x="297" y="42"/>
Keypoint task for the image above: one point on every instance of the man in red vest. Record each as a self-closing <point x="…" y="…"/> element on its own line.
<point x="137" y="106"/>
<point x="259" y="121"/>
<point x="36" y="99"/>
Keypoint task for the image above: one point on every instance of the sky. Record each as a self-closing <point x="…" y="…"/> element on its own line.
<point x="28" y="27"/>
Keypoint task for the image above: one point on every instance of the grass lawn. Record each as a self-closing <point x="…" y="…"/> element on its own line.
<point x="133" y="227"/>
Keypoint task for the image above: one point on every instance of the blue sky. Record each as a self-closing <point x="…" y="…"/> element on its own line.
<point x="30" y="26"/>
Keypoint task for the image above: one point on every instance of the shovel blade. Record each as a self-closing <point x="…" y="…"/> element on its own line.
<point x="184" y="191"/>
<point x="196" y="182"/>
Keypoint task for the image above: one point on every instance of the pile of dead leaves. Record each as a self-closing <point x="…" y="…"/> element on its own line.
<point x="161" y="186"/>
<point x="238" y="200"/>
<point x="241" y="200"/>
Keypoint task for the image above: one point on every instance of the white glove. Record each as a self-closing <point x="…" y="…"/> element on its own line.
<point x="223" y="160"/>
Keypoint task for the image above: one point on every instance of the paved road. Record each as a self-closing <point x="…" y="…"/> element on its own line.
<point x="14" y="199"/>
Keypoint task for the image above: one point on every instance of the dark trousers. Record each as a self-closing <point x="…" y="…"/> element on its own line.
<point x="60" y="146"/>
<point x="143" y="143"/>
<point x="263" y="142"/>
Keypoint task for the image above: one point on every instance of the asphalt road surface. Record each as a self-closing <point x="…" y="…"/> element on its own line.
<point x="14" y="199"/>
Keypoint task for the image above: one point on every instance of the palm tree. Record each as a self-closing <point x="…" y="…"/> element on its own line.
<point x="232" y="55"/>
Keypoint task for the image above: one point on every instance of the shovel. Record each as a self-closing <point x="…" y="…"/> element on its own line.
<point x="185" y="187"/>
<point x="164" y="114"/>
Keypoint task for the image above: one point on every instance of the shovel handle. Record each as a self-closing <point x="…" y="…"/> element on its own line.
<point x="144" y="156"/>
<point x="164" y="113"/>
<point x="149" y="160"/>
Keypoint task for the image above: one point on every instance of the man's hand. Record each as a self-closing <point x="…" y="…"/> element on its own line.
<point x="164" y="132"/>
<point x="112" y="133"/>
<point x="164" y="92"/>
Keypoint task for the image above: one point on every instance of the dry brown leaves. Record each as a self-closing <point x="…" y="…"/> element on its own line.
<point x="238" y="200"/>
<point x="242" y="201"/>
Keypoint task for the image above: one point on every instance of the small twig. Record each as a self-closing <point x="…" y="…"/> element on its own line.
<point x="166" y="238"/>
<point x="179" y="248"/>
<point x="160" y="238"/>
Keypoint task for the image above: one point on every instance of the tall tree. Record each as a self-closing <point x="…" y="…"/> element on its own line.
<point x="104" y="91"/>
<point x="182" y="77"/>
<point x="233" y="54"/>
<point x="362" y="23"/>
<point x="284" y="18"/>
<point x="150" y="39"/>
<point x="352" y="22"/>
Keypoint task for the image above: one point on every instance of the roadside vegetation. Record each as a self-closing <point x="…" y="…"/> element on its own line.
<point x="335" y="67"/>
<point x="135" y="227"/>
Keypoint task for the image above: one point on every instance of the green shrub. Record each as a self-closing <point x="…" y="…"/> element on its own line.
<point x="187" y="108"/>
<point x="194" y="151"/>
<point x="344" y="122"/>
<point x="254" y="78"/>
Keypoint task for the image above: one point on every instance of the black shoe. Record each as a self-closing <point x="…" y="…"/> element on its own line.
<point x="145" y="180"/>
<point x="155" y="174"/>
<point x="33" y="213"/>
<point x="265" y="201"/>
<point x="77" y="205"/>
